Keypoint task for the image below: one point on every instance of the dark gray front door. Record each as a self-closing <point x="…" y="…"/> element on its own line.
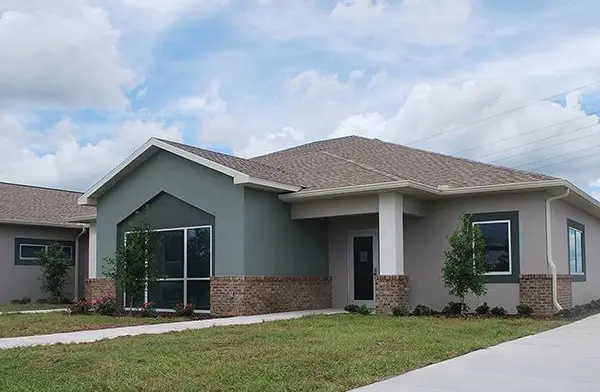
<point x="363" y="268"/>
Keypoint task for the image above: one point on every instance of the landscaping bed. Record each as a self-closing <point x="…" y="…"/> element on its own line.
<point x="14" y="325"/>
<point x="316" y="353"/>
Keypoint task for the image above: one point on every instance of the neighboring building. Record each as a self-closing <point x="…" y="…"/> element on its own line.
<point x="31" y="218"/>
<point x="348" y="220"/>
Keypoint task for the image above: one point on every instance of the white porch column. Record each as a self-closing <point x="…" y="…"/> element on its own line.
<point x="92" y="273"/>
<point x="391" y="234"/>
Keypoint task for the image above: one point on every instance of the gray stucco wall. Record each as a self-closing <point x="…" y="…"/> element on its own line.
<point x="425" y="240"/>
<point x="277" y="245"/>
<point x="17" y="281"/>
<point x="200" y="187"/>
<point x="588" y="290"/>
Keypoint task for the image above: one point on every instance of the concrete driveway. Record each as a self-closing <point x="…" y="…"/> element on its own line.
<point x="565" y="359"/>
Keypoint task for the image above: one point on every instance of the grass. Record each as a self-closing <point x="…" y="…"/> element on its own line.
<point x="31" y="306"/>
<point x="12" y="325"/>
<point x="317" y="353"/>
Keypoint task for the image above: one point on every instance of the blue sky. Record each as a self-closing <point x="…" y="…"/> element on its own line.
<point x="85" y="82"/>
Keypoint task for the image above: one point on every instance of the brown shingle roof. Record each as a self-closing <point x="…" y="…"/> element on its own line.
<point x="40" y="205"/>
<point x="246" y="166"/>
<point x="355" y="160"/>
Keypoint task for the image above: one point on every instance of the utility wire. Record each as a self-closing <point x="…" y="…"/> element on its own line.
<point x="595" y="154"/>
<point x="457" y="153"/>
<point x="543" y="147"/>
<point x="557" y="156"/>
<point x="536" y="141"/>
<point x="460" y="127"/>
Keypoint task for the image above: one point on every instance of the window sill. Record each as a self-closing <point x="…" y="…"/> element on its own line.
<point x="578" y="277"/>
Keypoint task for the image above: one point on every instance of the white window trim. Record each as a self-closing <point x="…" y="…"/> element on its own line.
<point x="569" y="228"/>
<point x="510" y="264"/>
<point x="41" y="246"/>
<point x="45" y="247"/>
<point x="184" y="279"/>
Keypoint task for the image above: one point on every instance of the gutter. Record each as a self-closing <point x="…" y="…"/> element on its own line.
<point x="551" y="264"/>
<point x="83" y="231"/>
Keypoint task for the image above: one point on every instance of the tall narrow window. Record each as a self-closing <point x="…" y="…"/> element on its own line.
<point x="576" y="248"/>
<point x="497" y="246"/>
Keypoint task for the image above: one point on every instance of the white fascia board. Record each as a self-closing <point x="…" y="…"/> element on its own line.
<point x="89" y="197"/>
<point x="265" y="184"/>
<point x="359" y="189"/>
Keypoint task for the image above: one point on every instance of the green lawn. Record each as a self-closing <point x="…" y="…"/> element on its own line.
<point x="318" y="353"/>
<point x="12" y="325"/>
<point x="20" y="307"/>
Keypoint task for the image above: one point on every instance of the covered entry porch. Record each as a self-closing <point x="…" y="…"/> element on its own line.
<point x="366" y="247"/>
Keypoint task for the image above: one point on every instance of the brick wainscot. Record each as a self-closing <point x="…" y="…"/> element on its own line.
<point x="247" y="295"/>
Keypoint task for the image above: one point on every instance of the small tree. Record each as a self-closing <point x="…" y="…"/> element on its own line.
<point x="132" y="267"/>
<point x="465" y="261"/>
<point x="55" y="271"/>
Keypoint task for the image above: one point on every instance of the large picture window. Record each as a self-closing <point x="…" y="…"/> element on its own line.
<point x="497" y="246"/>
<point x="576" y="238"/>
<point x="184" y="264"/>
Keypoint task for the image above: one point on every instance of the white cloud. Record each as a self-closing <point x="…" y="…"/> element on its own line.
<point x="60" y="54"/>
<point x="67" y="161"/>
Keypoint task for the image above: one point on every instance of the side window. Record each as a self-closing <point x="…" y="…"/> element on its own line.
<point x="576" y="241"/>
<point x="27" y="250"/>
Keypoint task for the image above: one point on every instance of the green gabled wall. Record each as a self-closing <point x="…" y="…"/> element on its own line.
<point x="253" y="231"/>
<point x="205" y="189"/>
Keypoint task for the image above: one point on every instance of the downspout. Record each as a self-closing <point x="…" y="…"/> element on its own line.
<point x="83" y="231"/>
<point x="549" y="260"/>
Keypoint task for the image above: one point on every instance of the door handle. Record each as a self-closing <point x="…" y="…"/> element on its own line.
<point x="375" y="271"/>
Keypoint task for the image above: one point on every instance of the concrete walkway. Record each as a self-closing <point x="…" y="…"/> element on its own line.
<point x="111" y="333"/>
<point x="35" y="311"/>
<point x="562" y="359"/>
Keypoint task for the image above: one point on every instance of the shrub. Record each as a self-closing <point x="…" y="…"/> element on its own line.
<point x="107" y="306"/>
<point x="422" y="310"/>
<point x="184" y="310"/>
<point x="58" y="301"/>
<point x="351" y="308"/>
<point x="55" y="270"/>
<point x="483" y="309"/>
<point x="400" y="311"/>
<point x="524" y="310"/>
<point x="148" y="310"/>
<point x="498" y="311"/>
<point x="80" y="306"/>
<point x="454" y="308"/>
<point x="465" y="266"/>
<point x="364" y="310"/>
<point x="581" y="311"/>
<point x="21" y="301"/>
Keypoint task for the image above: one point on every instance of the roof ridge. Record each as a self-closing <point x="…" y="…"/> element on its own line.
<point x="40" y="187"/>
<point x="465" y="159"/>
<point x="364" y="166"/>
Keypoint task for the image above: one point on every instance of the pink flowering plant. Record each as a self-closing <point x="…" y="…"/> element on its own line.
<point x="184" y="310"/>
<point x="148" y="309"/>
<point x="106" y="306"/>
<point x="81" y="306"/>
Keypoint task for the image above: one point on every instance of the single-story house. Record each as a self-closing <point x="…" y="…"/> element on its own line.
<point x="31" y="219"/>
<point x="343" y="221"/>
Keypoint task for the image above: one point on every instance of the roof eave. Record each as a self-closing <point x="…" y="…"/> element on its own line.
<point x="63" y="225"/>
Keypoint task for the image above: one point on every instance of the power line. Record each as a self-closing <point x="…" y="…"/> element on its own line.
<point x="457" y="153"/>
<point x="557" y="156"/>
<point x="500" y="114"/>
<point x="543" y="147"/>
<point x="566" y="160"/>
<point x="535" y="141"/>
